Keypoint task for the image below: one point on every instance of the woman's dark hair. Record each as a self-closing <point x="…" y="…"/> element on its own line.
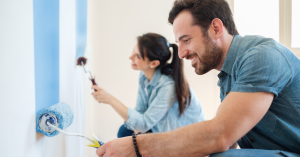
<point x="204" y="11"/>
<point x="156" y="47"/>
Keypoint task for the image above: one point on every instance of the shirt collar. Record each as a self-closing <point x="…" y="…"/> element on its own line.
<point x="231" y="55"/>
<point x="154" y="80"/>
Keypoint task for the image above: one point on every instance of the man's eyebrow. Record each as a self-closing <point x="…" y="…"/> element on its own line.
<point x="183" y="36"/>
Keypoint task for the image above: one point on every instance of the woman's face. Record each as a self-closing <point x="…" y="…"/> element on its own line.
<point x="137" y="62"/>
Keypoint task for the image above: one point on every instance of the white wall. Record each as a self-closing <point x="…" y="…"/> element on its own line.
<point x="17" y="86"/>
<point x="17" y="94"/>
<point x="112" y="30"/>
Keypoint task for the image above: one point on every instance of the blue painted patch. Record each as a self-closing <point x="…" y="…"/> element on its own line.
<point x="46" y="52"/>
<point x="81" y="27"/>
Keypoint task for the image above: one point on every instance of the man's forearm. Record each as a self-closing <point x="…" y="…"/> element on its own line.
<point x="198" y="139"/>
<point x="231" y="122"/>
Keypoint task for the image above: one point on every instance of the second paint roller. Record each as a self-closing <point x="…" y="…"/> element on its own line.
<point x="82" y="57"/>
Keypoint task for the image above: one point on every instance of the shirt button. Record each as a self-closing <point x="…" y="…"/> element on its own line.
<point x="222" y="75"/>
<point x="252" y="139"/>
<point x="227" y="93"/>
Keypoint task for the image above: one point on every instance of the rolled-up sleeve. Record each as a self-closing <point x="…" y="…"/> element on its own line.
<point x="164" y="99"/>
<point x="259" y="71"/>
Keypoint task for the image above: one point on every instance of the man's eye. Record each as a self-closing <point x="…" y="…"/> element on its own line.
<point x="187" y="41"/>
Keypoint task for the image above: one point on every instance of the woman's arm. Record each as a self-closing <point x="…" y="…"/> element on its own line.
<point x="157" y="108"/>
<point x="142" y="122"/>
<point x="103" y="97"/>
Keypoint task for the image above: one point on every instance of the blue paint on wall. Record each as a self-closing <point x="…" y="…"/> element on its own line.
<point x="46" y="52"/>
<point x="81" y="26"/>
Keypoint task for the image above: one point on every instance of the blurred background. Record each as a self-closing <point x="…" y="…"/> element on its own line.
<point x="111" y="29"/>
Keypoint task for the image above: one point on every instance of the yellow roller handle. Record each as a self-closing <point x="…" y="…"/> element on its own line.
<point x="96" y="143"/>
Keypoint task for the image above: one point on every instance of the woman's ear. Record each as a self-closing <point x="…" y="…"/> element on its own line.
<point x="154" y="64"/>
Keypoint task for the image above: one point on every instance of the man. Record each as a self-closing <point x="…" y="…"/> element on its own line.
<point x="260" y="85"/>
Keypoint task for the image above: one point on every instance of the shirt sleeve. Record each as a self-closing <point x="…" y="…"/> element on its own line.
<point x="164" y="99"/>
<point x="140" y="102"/>
<point x="262" y="69"/>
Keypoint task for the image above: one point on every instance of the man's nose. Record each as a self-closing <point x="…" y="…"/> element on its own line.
<point x="182" y="52"/>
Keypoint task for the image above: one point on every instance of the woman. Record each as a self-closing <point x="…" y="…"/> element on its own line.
<point x="165" y="102"/>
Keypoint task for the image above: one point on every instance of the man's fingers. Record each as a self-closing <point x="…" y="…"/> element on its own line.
<point x="101" y="151"/>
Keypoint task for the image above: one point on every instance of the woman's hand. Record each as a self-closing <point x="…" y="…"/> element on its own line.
<point x="102" y="96"/>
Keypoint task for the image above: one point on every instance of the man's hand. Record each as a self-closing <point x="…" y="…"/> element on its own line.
<point x="121" y="147"/>
<point x="234" y="146"/>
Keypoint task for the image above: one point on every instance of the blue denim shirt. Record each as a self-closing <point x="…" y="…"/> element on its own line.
<point x="157" y="106"/>
<point x="258" y="64"/>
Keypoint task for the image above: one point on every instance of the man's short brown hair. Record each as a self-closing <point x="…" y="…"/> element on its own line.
<point x="204" y="11"/>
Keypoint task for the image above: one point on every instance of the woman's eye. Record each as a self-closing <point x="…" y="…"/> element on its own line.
<point x="138" y="56"/>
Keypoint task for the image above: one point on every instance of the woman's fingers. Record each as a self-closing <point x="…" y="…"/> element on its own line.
<point x="96" y="87"/>
<point x="98" y="98"/>
<point x="98" y="92"/>
<point x="100" y="95"/>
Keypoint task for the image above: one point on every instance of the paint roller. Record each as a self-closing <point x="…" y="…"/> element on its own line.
<point x="82" y="57"/>
<point x="55" y="119"/>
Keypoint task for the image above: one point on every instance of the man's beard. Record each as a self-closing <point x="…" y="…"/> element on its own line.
<point x="211" y="58"/>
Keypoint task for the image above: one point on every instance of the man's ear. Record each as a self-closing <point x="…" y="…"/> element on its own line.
<point x="216" y="28"/>
<point x="154" y="64"/>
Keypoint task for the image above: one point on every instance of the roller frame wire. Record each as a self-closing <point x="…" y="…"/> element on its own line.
<point x="92" y="79"/>
<point x="66" y="133"/>
<point x="85" y="70"/>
